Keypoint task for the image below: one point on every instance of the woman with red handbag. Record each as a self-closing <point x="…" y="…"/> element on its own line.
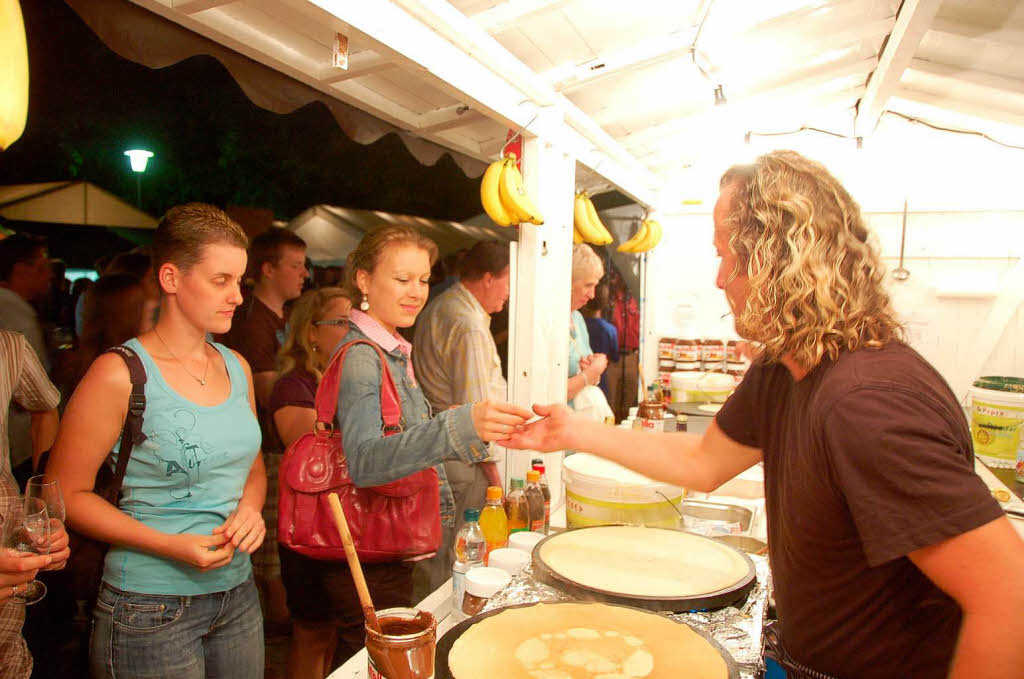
<point x="388" y="273"/>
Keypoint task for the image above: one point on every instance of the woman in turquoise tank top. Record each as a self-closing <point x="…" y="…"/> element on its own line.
<point x="177" y="598"/>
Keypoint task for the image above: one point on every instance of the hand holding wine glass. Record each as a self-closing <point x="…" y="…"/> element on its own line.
<point x="26" y="529"/>
<point x="50" y="493"/>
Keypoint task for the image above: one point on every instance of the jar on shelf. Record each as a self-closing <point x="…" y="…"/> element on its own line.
<point x="687" y="351"/>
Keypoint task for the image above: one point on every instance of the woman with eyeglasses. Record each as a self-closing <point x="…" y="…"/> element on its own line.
<point x="318" y="321"/>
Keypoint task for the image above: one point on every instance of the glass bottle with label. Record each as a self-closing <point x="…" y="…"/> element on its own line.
<point x="517" y="509"/>
<point x="547" y="495"/>
<point x="535" y="501"/>
<point x="470" y="549"/>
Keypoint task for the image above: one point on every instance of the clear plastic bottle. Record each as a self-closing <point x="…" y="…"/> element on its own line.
<point x="535" y="500"/>
<point x="517" y="508"/>
<point x="494" y="522"/>
<point x="546" y="490"/>
<point x="470" y="548"/>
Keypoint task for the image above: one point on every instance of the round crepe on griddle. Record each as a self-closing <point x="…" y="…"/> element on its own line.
<point x="648" y="562"/>
<point x="583" y="641"/>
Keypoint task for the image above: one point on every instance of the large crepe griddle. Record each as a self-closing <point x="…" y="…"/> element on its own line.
<point x="678" y="604"/>
<point x="445" y="643"/>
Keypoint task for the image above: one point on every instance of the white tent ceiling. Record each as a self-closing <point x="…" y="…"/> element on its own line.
<point x="628" y="88"/>
<point x="332" y="232"/>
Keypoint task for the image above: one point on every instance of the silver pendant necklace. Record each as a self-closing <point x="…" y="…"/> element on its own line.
<point x="202" y="382"/>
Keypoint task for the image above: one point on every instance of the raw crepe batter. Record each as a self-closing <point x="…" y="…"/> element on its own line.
<point x="583" y="641"/>
<point x="639" y="561"/>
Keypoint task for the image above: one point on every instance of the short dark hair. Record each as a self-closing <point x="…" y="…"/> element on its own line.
<point x="487" y="256"/>
<point x="185" y="229"/>
<point x="266" y="248"/>
<point x="18" y="248"/>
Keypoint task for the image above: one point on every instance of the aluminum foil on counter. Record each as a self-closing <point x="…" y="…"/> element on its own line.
<point x="737" y="628"/>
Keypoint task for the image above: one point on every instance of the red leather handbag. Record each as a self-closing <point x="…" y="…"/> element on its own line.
<point x="392" y="522"/>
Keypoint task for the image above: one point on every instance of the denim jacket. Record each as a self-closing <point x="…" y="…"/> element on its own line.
<point x="426" y="441"/>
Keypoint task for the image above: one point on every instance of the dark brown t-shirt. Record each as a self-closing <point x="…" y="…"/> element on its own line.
<point x="866" y="459"/>
<point x="256" y="333"/>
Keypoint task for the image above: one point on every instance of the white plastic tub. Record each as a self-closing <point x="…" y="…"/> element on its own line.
<point x="599" y="492"/>
<point x="996" y="407"/>
<point x="701" y="387"/>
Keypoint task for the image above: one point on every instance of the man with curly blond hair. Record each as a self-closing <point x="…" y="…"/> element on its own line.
<point x="886" y="548"/>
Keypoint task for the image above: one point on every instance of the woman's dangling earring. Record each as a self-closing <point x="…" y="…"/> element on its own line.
<point x="315" y="347"/>
<point x="365" y="304"/>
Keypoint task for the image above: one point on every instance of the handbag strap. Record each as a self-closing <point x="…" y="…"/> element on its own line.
<point x="327" y="392"/>
<point x="131" y="431"/>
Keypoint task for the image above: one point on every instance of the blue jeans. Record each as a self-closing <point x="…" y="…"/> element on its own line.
<point x="215" y="635"/>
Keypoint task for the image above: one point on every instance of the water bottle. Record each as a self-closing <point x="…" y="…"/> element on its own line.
<point x="470" y="548"/>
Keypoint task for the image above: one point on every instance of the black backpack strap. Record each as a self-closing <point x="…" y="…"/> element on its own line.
<point x="131" y="432"/>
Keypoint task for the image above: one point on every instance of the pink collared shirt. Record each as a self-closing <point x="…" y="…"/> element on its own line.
<point x="387" y="341"/>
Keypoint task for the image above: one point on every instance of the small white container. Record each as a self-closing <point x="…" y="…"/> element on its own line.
<point x="481" y="584"/>
<point x="524" y="541"/>
<point x="509" y="560"/>
<point x="633" y="411"/>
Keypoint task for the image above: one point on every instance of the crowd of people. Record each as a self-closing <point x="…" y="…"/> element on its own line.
<point x="873" y="577"/>
<point x="234" y="337"/>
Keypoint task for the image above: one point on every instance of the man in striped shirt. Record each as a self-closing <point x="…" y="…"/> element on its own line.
<point x="23" y="380"/>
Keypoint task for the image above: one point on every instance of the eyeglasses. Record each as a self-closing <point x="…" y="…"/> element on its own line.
<point x="335" y="322"/>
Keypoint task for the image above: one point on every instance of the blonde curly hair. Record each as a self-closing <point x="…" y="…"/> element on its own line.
<point x="815" y="277"/>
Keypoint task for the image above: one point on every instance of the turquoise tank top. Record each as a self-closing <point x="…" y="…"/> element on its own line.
<point x="186" y="477"/>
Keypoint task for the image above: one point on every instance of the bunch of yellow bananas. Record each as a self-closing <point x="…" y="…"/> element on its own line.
<point x="645" y="238"/>
<point x="586" y="225"/>
<point x="504" y="196"/>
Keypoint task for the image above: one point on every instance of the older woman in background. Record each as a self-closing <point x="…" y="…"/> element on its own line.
<point x="585" y="367"/>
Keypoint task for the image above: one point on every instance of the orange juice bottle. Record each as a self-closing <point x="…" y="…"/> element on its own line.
<point x="493" y="522"/>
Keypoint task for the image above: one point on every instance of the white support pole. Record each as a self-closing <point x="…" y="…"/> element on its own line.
<point x="539" y="308"/>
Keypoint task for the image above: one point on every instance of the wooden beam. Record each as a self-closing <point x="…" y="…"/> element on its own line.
<point x="447" y="118"/>
<point x="994" y="36"/>
<point x="810" y="84"/>
<point x="988" y="81"/>
<point x="359" y="64"/>
<point x="967" y="115"/>
<point x="196" y="6"/>
<point x="435" y="38"/>
<point x="505" y="15"/>
<point x="262" y="49"/>
<point x="911" y="24"/>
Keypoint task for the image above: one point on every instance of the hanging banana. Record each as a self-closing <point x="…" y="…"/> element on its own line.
<point x="587" y="223"/>
<point x="631" y="245"/>
<point x="604" y="236"/>
<point x="489" y="195"/>
<point x="580" y="221"/>
<point x="513" y="194"/>
<point x="647" y="236"/>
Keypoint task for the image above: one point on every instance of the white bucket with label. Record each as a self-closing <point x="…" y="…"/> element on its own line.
<point x="996" y="408"/>
<point x="701" y="387"/>
<point x="599" y="492"/>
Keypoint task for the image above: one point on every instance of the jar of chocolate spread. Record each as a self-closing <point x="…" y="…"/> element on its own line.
<point x="404" y="647"/>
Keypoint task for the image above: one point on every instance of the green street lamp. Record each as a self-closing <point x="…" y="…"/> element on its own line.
<point x="138" y="158"/>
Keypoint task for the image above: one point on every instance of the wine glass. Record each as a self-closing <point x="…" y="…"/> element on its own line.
<point x="49" y="492"/>
<point x="27" y="529"/>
